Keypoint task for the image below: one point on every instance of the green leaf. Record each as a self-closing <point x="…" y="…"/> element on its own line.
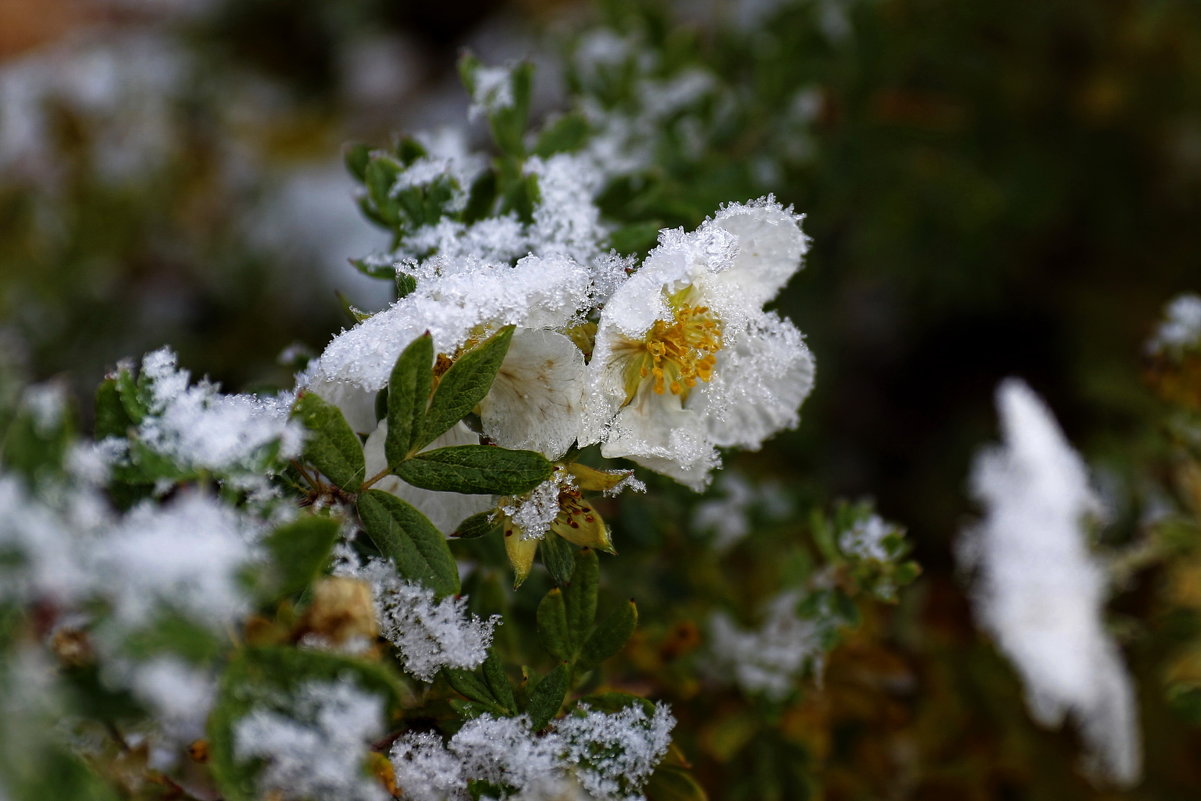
<point x="357" y="157"/>
<point x="558" y="556"/>
<point x="580" y="596"/>
<point x="405" y="284"/>
<point x="332" y="446"/>
<point x="552" y="626"/>
<point x="478" y="525"/>
<point x="674" y="783"/>
<point x="112" y="420"/>
<point x="408" y="395"/>
<point x="381" y="271"/>
<point x="299" y="551"/>
<point x="266" y="678"/>
<point x="133" y="397"/>
<point x="498" y="683"/>
<point x="547" y="697"/>
<point x="610" y="636"/>
<point x="464" y="385"/>
<point x="36" y="450"/>
<point x="471" y="686"/>
<point x="568" y="133"/>
<point x="476" y="470"/>
<point x="410" y="540"/>
<point x="481" y="198"/>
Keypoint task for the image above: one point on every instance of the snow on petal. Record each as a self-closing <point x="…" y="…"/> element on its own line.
<point x="1040" y="592"/>
<point x="536" y="399"/>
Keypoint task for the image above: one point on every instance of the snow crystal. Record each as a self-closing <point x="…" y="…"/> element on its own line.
<point x="454" y="303"/>
<point x="319" y="749"/>
<point x="197" y="426"/>
<point x="47" y="403"/>
<point x="492" y="90"/>
<point x="616" y="752"/>
<point x="184" y="555"/>
<point x="865" y="539"/>
<point x="425" y="770"/>
<point x="1037" y="588"/>
<point x="566" y="221"/>
<point x="180" y="694"/>
<point x="46" y="542"/>
<point x="1182" y="327"/>
<point x="504" y="751"/>
<point x="430" y="634"/>
<point x="772" y="658"/>
<point x="535" y="511"/>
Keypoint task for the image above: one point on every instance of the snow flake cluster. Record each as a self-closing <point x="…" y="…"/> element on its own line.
<point x="1039" y="591"/>
<point x="590" y="754"/>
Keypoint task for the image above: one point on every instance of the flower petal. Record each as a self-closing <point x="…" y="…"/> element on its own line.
<point x="536" y="400"/>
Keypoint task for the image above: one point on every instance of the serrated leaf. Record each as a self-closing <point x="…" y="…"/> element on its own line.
<point x="580" y="597"/>
<point x="476" y="470"/>
<point x="410" y="540"/>
<point x="547" y="697"/>
<point x="464" y="385"/>
<point x="610" y="636"/>
<point x="265" y="677"/>
<point x="331" y="446"/>
<point x="408" y="394"/>
<point x="553" y="632"/>
<point x="299" y="551"/>
<point x="559" y="558"/>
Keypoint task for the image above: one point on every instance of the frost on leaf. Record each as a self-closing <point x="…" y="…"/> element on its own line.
<point x="771" y="659"/>
<point x="1039" y="591"/>
<point x="429" y="634"/>
<point x="319" y="748"/>
<point x="198" y="427"/>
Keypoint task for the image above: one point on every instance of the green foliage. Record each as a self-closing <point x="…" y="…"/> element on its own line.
<point x="332" y="446"/>
<point x="300" y="551"/>
<point x="478" y="469"/>
<point x="407" y="537"/>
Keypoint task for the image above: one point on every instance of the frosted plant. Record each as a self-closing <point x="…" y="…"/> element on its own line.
<point x="198" y="427"/>
<point x="318" y="749"/>
<point x="728" y="515"/>
<point x="865" y="539"/>
<point x="601" y="756"/>
<point x="687" y="360"/>
<point x="771" y="659"/>
<point x="430" y="634"/>
<point x="1039" y="591"/>
<point x="1182" y="327"/>
<point x="454" y="302"/>
<point x="185" y="555"/>
<point x="614" y="753"/>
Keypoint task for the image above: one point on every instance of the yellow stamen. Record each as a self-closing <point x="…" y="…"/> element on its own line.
<point x="675" y="353"/>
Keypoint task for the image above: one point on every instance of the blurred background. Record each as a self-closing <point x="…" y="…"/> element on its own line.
<point x="992" y="189"/>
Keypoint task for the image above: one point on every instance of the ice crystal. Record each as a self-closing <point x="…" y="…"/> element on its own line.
<point x="1037" y="588"/>
<point x="492" y="92"/>
<point x="615" y="752"/>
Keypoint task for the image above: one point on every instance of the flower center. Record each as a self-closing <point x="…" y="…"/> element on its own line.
<point x="675" y="353"/>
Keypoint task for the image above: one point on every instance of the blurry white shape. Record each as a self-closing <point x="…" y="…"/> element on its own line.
<point x="1040" y="592"/>
<point x="1181" y="327"/>
<point x="771" y="659"/>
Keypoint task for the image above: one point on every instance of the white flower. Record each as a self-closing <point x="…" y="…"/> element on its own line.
<point x="1039" y="591"/>
<point x="536" y="399"/>
<point x="446" y="510"/>
<point x="686" y="359"/>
